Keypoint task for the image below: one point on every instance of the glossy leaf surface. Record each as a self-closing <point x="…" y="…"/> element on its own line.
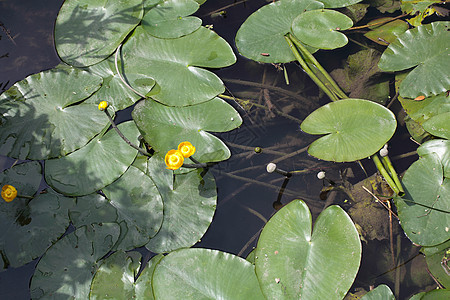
<point x="205" y="274"/>
<point x="439" y="125"/>
<point x="293" y="261"/>
<point x="338" y="3"/>
<point x="441" y="148"/>
<point x="353" y="128"/>
<point x="88" y="31"/>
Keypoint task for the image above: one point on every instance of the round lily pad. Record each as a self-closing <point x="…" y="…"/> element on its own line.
<point x="88" y="31"/>
<point x="438" y="125"/>
<point x="354" y="129"/>
<point x="441" y="148"/>
<point x="320" y="28"/>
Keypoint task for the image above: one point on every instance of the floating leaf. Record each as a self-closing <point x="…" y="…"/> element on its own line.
<point x="320" y="28"/>
<point x="427" y="48"/>
<point x="188" y="210"/>
<point x="168" y="19"/>
<point x="25" y="177"/>
<point x="434" y="257"/>
<point x="176" y="64"/>
<point x="386" y="33"/>
<point x="424" y="211"/>
<point x="354" y="128"/>
<point x="164" y="127"/>
<point x="439" y="125"/>
<point x="441" y="148"/>
<point x="205" y="274"/>
<point x="294" y="262"/>
<point x="338" y="3"/>
<point x="66" y="269"/>
<point x="380" y="292"/>
<point x="264" y="31"/>
<point x="88" y="31"/>
<point x="120" y="269"/>
<point x="99" y="163"/>
<point x="38" y="120"/>
<point x="29" y="227"/>
<point x="420" y="111"/>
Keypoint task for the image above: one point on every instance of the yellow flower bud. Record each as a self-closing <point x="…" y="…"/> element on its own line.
<point x="186" y="149"/>
<point x="174" y="159"/>
<point x="103" y="105"/>
<point x="9" y="193"/>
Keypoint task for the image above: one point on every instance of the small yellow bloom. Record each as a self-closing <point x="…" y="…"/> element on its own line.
<point x="186" y="149"/>
<point x="9" y="193"/>
<point x="103" y="105"/>
<point x="174" y="159"/>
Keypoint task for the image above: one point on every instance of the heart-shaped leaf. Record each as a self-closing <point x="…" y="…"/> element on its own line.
<point x="176" y="64"/>
<point x="441" y="148"/>
<point x="188" y="210"/>
<point x="66" y="269"/>
<point x="168" y="19"/>
<point x="90" y="168"/>
<point x="205" y="274"/>
<point x="164" y="127"/>
<point x="424" y="210"/>
<point x="88" y="31"/>
<point x="320" y="28"/>
<point x="439" y="125"/>
<point x="294" y="262"/>
<point x="430" y="77"/>
<point x="261" y="37"/>
<point x="38" y="120"/>
<point x="354" y="128"/>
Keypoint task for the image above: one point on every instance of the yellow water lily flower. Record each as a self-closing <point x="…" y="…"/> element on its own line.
<point x="186" y="149"/>
<point x="102" y="105"/>
<point x="174" y="159"/>
<point x="9" y="193"/>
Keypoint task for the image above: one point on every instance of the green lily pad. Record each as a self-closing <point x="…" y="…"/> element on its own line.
<point x="439" y="125"/>
<point x="261" y="37"/>
<point x="434" y="257"/>
<point x="121" y="268"/>
<point x="421" y="111"/>
<point x="354" y="128"/>
<point x="188" y="210"/>
<point x="205" y="274"/>
<point x="424" y="210"/>
<point x="25" y="177"/>
<point x="380" y="292"/>
<point x="294" y="262"/>
<point x="104" y="159"/>
<point x="386" y="33"/>
<point x="66" y="269"/>
<point x="113" y="90"/>
<point x="320" y="28"/>
<point x="29" y="227"/>
<point x="169" y="19"/>
<point x="430" y="77"/>
<point x="88" y="31"/>
<point x="176" y="64"/>
<point x="441" y="148"/>
<point x="338" y="3"/>
<point x="164" y="127"/>
<point x="38" y="120"/>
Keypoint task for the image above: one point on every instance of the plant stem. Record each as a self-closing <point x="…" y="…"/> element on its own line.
<point x="394" y="175"/>
<point x="124" y="137"/>
<point x="385" y="174"/>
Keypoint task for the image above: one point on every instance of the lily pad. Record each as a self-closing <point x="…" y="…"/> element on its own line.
<point x="104" y="159"/>
<point x="88" y="31"/>
<point x="113" y="90"/>
<point x="380" y="292"/>
<point x="38" y="120"/>
<point x="354" y="129"/>
<point x="29" y="227"/>
<point x="293" y="261"/>
<point x="338" y="3"/>
<point x="66" y="269"/>
<point x="205" y="274"/>
<point x="441" y="148"/>
<point x="439" y="125"/>
<point x="421" y="111"/>
<point x="25" y="177"/>
<point x="164" y="127"/>
<point x="261" y="36"/>
<point x="121" y="269"/>
<point x="188" y="210"/>
<point x="434" y="257"/>
<point x="387" y="33"/>
<point x="430" y="77"/>
<point x="169" y="19"/>
<point x="320" y="28"/>
<point x="176" y="64"/>
<point x="424" y="211"/>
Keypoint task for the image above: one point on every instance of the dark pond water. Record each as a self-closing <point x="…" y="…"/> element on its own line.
<point x="246" y="192"/>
